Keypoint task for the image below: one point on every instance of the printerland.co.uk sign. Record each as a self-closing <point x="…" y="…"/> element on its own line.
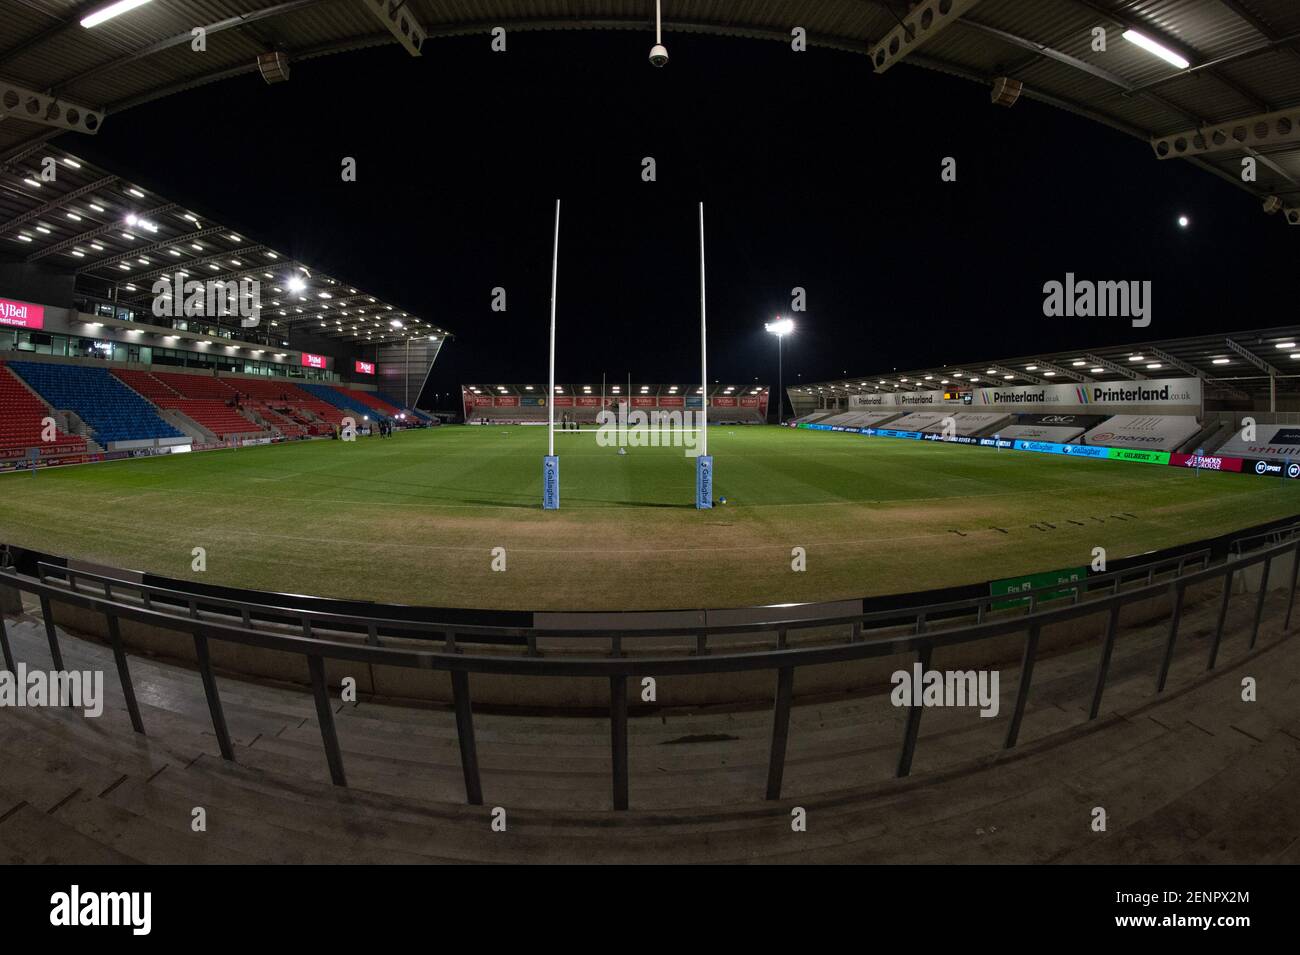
<point x="21" y="314"/>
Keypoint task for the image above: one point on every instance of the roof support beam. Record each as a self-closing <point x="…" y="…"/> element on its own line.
<point x="1059" y="372"/>
<point x="1000" y="370"/>
<point x="1262" y="130"/>
<point x="57" y="202"/>
<point x="1109" y="365"/>
<point x="1251" y="357"/>
<point x="400" y="22"/>
<point x="95" y="233"/>
<point x="922" y="23"/>
<point x="34" y="107"/>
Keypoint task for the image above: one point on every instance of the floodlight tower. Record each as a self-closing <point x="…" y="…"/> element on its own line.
<point x="780" y="328"/>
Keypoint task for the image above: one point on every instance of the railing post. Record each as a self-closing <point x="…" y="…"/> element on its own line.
<point x="1223" y="616"/>
<point x="1259" y="602"/>
<point x="1112" y="629"/>
<point x="4" y="646"/>
<point x="701" y="644"/>
<point x="618" y="737"/>
<point x="1022" y="691"/>
<point x="1174" y="620"/>
<point x="465" y="736"/>
<point x="913" y="724"/>
<point x="48" y="616"/>
<point x="214" y="698"/>
<point x="124" y="673"/>
<point x="780" y="731"/>
<point x="1295" y="572"/>
<point x="325" y="717"/>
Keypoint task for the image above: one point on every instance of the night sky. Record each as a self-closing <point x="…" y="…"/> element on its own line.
<point x="815" y="172"/>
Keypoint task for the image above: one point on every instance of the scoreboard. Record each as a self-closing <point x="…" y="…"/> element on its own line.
<point x="963" y="396"/>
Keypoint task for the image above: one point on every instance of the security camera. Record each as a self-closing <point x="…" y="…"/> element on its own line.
<point x="659" y="55"/>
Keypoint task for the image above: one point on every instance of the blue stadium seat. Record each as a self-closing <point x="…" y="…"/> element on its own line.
<point x="113" y="411"/>
<point x="338" y="399"/>
<point x="383" y="396"/>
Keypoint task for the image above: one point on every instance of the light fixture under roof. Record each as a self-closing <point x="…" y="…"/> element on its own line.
<point x="109" y="11"/>
<point x="1159" y="49"/>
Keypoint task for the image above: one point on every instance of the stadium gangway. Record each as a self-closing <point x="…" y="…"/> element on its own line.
<point x="919" y="618"/>
<point x="619" y="669"/>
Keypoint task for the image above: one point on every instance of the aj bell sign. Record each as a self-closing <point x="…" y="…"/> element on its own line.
<point x="21" y="314"/>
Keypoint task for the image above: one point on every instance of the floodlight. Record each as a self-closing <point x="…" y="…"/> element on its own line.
<point x="296" y="284"/>
<point x="782" y="326"/>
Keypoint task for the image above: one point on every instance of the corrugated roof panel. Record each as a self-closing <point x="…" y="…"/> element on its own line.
<point x="1206" y="27"/>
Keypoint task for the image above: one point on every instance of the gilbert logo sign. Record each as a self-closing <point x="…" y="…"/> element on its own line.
<point x="21" y="314"/>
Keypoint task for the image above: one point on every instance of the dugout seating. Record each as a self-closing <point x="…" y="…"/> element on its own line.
<point x="21" y="421"/>
<point x="112" y="410"/>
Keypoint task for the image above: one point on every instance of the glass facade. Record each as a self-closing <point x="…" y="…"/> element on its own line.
<point x="73" y="346"/>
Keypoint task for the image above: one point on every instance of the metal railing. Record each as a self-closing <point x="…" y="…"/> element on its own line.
<point x="454" y="634"/>
<point x="618" y="668"/>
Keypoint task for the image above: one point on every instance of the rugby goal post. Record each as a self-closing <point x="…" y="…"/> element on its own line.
<point x="703" y="461"/>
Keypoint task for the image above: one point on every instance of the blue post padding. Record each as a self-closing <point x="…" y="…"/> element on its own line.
<point x="551" y="482"/>
<point x="704" y="481"/>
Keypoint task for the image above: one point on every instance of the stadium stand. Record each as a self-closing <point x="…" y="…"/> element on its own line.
<point x="371" y="400"/>
<point x="112" y="410"/>
<point x="204" y="387"/>
<point x="343" y="401"/>
<point x="857" y="419"/>
<point x="1269" y="441"/>
<point x="222" y="419"/>
<point x="968" y="423"/>
<point x="916" y="421"/>
<point x="1152" y="432"/>
<point x="21" y="421"/>
<point x="419" y="415"/>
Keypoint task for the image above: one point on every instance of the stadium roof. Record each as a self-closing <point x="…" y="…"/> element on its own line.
<point x="114" y="234"/>
<point x="1242" y="72"/>
<point x="1235" y="365"/>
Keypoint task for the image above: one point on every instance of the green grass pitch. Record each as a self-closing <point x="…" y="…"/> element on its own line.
<point x="416" y="518"/>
